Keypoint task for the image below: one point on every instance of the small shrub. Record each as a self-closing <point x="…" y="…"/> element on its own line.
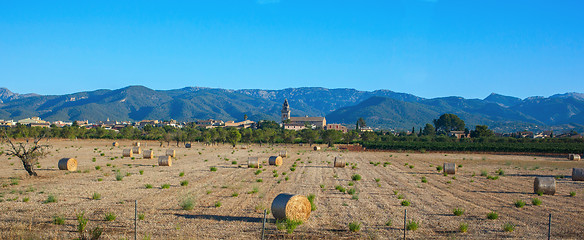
<point x="508" y="227"/>
<point x="184" y="183"/>
<point x="389" y="223"/>
<point x="401" y="196"/>
<point x="405" y="203"/>
<point x="235" y="194"/>
<point x="97" y="167"/>
<point x="411" y="166"/>
<point x="96" y="196"/>
<point x="213" y="169"/>
<point x="234" y="162"/>
<point x="181" y="174"/>
<point x="58" y="220"/>
<point x="311" y="198"/>
<point x="110" y="216"/>
<point x="519" y="203"/>
<point x="536" y="201"/>
<point x="259" y="180"/>
<point x="51" y="199"/>
<point x="412" y="225"/>
<point x="463" y="227"/>
<point x="165" y="186"/>
<point x="572" y="194"/>
<point x="424" y="180"/>
<point x="292" y="169"/>
<point x="286" y="178"/>
<point x="254" y="190"/>
<point x="354" y="226"/>
<point x="100" y="179"/>
<point x="26" y="199"/>
<point x="119" y="176"/>
<point x="458" y="211"/>
<point x="257" y="172"/>
<point x="340" y="188"/>
<point x="351" y="184"/>
<point x="141" y="216"/>
<point x="539" y="193"/>
<point x="291" y="225"/>
<point x="187" y="203"/>
<point x="377" y="180"/>
<point x="492" y="215"/>
<point x="148" y="185"/>
<point x="218" y="204"/>
<point x="438" y="168"/>
<point x="356" y="177"/>
<point x="484" y="173"/>
<point x="351" y="191"/>
<point x="500" y="172"/>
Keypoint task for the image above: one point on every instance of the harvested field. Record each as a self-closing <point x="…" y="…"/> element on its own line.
<point x="239" y="216"/>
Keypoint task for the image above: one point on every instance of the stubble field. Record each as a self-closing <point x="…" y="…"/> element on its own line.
<point x="242" y="196"/>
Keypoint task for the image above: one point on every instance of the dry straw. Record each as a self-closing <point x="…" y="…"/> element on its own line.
<point x="275" y="160"/>
<point x="136" y="144"/>
<point x="574" y="157"/>
<point x="164" y="161"/>
<point x="449" y="168"/>
<point x="115" y="144"/>
<point x="187" y="145"/>
<point x="127" y="153"/>
<point x="171" y="153"/>
<point x="283" y="154"/>
<point x="545" y="185"/>
<point x="290" y="206"/>
<point x="68" y="164"/>
<point x="253" y="162"/>
<point x="148" y="154"/>
<point x="137" y="150"/>
<point x="316" y="148"/>
<point x="339" y="162"/>
<point x="577" y="174"/>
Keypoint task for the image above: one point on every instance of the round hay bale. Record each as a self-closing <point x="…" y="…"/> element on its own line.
<point x="164" y="161"/>
<point x="171" y="153"/>
<point x="137" y="150"/>
<point x="115" y="144"/>
<point x="574" y="157"/>
<point x="136" y="144"/>
<point x="546" y="185"/>
<point x="450" y="168"/>
<point x="339" y="162"/>
<point x="148" y="154"/>
<point x="127" y="153"/>
<point x="275" y="160"/>
<point x="187" y="145"/>
<point x="577" y="174"/>
<point x="253" y="162"/>
<point x="283" y="154"/>
<point x="316" y="148"/>
<point x="69" y="164"/>
<point x="290" y="206"/>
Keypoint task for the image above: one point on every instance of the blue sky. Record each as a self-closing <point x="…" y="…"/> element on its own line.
<point x="430" y="48"/>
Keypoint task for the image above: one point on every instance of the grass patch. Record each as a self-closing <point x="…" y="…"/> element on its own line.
<point x="356" y="177"/>
<point x="184" y="183"/>
<point x="311" y="198"/>
<point x="218" y="204"/>
<point x="463" y="227"/>
<point x="213" y="169"/>
<point x="58" y="220"/>
<point x="51" y="199"/>
<point x="354" y="226"/>
<point x="405" y="203"/>
<point x="458" y="211"/>
<point x="181" y="174"/>
<point x="572" y="194"/>
<point x="165" y="186"/>
<point x="492" y="215"/>
<point x="412" y="225"/>
<point x="519" y="203"/>
<point x="148" y="185"/>
<point x="536" y="201"/>
<point x="110" y="216"/>
<point x="119" y="176"/>
<point x="96" y="196"/>
<point x="188" y="203"/>
<point x="424" y="180"/>
<point x="508" y="227"/>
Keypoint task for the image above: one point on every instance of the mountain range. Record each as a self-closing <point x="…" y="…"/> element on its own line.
<point x="381" y="108"/>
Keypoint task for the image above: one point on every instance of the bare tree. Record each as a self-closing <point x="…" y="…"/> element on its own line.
<point x="28" y="152"/>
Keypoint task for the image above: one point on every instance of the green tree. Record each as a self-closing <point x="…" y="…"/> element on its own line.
<point x="369" y="136"/>
<point x="331" y="136"/>
<point x="309" y="135"/>
<point x="360" y="124"/>
<point x="449" y="122"/>
<point x="350" y="136"/>
<point x="429" y="130"/>
<point x="233" y="136"/>
<point x="481" y="131"/>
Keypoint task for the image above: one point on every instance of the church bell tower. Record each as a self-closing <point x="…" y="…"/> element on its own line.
<point x="285" y="110"/>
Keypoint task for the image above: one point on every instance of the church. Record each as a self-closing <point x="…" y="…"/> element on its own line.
<point x="299" y="123"/>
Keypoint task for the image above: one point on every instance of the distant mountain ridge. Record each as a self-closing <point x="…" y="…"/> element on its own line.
<point x="381" y="108"/>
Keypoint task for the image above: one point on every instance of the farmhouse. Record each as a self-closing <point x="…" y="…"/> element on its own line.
<point x="299" y="123"/>
<point x="336" y="126"/>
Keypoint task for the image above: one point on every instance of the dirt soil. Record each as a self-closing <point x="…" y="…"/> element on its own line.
<point x="24" y="215"/>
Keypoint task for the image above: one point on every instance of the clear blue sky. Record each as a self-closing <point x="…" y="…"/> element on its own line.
<point x="429" y="48"/>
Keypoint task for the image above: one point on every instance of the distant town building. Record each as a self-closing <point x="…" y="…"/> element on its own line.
<point x="34" y="122"/>
<point x="299" y="123"/>
<point x="336" y="126"/>
<point x="210" y="123"/>
<point x="242" y="124"/>
<point x="458" y="134"/>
